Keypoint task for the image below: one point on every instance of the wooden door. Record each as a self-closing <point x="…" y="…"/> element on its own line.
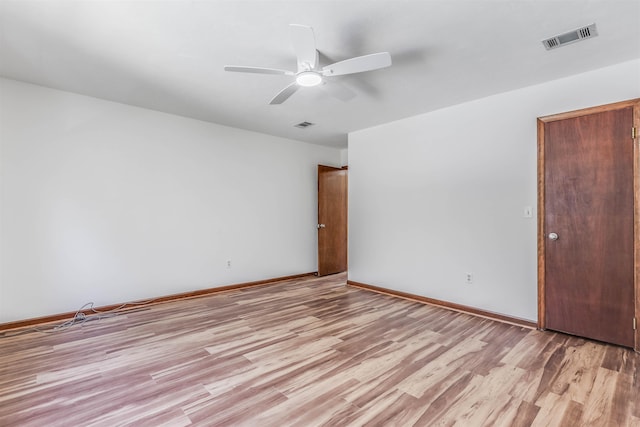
<point x="332" y="220"/>
<point x="587" y="223"/>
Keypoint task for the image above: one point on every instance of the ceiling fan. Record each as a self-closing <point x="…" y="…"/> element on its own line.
<point x="309" y="72"/>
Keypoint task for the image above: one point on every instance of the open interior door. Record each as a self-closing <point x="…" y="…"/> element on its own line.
<point x="332" y="220"/>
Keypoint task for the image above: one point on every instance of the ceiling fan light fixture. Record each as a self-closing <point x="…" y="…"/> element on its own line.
<point x="308" y="79"/>
<point x="309" y="72"/>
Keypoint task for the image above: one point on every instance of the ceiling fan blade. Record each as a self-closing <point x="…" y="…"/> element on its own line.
<point x="304" y="44"/>
<point x="257" y="70"/>
<point x="284" y="94"/>
<point x="358" y="64"/>
<point x="339" y="91"/>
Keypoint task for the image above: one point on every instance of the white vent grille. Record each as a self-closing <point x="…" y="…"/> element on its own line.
<point x="571" y="37"/>
<point x="304" y="125"/>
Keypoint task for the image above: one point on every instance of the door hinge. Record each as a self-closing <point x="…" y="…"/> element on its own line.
<point x="635" y="324"/>
<point x="634" y="133"/>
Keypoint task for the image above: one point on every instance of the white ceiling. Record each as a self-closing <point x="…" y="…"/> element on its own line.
<point x="169" y="55"/>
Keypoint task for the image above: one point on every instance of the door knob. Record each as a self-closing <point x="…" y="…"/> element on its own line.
<point x="553" y="236"/>
<point x="320" y="226"/>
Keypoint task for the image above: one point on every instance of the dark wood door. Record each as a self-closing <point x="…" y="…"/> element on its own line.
<point x="588" y="226"/>
<point x="332" y="220"/>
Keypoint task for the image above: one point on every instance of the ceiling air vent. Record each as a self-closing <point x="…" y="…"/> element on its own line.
<point x="303" y="125"/>
<point x="571" y="37"/>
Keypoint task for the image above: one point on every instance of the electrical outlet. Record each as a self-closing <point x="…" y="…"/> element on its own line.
<point x="469" y="278"/>
<point x="228" y="263"/>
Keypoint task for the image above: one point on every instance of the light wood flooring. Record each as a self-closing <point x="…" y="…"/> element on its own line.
<point x="310" y="352"/>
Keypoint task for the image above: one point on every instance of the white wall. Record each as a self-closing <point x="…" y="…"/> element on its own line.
<point x="344" y="156"/>
<point x="108" y="203"/>
<point x="435" y="196"/>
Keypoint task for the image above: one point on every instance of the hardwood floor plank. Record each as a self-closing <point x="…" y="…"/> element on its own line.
<point x="311" y="352"/>
<point x="432" y="378"/>
<point x="504" y="416"/>
<point x="307" y="404"/>
<point x="552" y="410"/>
<point x="474" y="405"/>
<point x="446" y="400"/>
<point x="399" y="411"/>
<point x="526" y="413"/>
<point x="578" y="371"/>
<point x="527" y="351"/>
<point x="598" y="408"/>
<point x="620" y="410"/>
<point x="572" y="413"/>
<point x="550" y="372"/>
<point x="613" y="358"/>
